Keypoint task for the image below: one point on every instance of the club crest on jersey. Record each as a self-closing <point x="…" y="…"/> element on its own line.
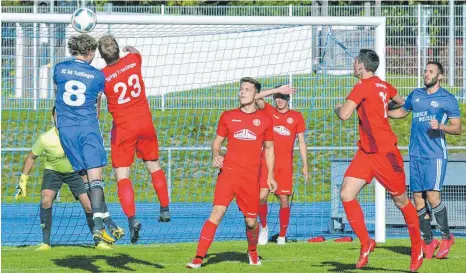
<point x="245" y="134"/>
<point x="256" y="122"/>
<point x="290" y="120"/>
<point x="434" y="103"/>
<point x="282" y="130"/>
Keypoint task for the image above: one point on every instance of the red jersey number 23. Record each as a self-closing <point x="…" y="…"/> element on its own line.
<point x="122" y="88"/>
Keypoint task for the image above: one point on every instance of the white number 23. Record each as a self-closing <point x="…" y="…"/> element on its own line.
<point x="122" y="88"/>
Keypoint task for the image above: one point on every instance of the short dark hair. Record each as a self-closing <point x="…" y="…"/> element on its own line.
<point x="256" y="83"/>
<point x="82" y="45"/>
<point x="53" y="110"/>
<point x="280" y="95"/>
<point x="370" y="59"/>
<point x="438" y="64"/>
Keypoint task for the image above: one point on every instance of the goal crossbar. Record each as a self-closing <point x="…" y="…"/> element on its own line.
<point x="198" y="20"/>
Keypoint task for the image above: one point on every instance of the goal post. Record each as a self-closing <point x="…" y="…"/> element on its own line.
<point x="228" y="78"/>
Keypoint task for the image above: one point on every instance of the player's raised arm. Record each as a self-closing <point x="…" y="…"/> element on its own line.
<point x="283" y="89"/>
<point x="131" y="49"/>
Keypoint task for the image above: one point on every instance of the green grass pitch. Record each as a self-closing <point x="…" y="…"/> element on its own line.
<point x="392" y="256"/>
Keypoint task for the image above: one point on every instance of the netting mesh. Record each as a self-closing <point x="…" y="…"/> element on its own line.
<point x="192" y="74"/>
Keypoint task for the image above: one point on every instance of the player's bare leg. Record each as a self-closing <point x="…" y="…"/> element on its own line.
<point x="126" y="196"/>
<point x="410" y="214"/>
<point x="159" y="182"/>
<point x="207" y="235"/>
<point x="349" y="190"/>
<point x="106" y="218"/>
<point x="284" y="216"/>
<point x="440" y="213"/>
<point x="47" y="197"/>
<point x="252" y="233"/>
<point x="424" y="215"/>
<point x="263" y="210"/>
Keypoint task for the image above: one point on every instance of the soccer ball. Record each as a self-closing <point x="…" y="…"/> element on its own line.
<point x="83" y="20"/>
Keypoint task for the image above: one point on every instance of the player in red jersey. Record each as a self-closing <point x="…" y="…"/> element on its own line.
<point x="287" y="124"/>
<point x="247" y="130"/>
<point x="378" y="155"/>
<point x="133" y="130"/>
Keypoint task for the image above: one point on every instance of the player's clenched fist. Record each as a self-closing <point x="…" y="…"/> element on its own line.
<point x="272" y="184"/>
<point x="434" y="124"/>
<point x="218" y="161"/>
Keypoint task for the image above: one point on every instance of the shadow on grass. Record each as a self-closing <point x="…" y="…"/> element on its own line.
<point x="225" y="257"/>
<point x="341" y="267"/>
<point x="118" y="263"/>
<point x="404" y="250"/>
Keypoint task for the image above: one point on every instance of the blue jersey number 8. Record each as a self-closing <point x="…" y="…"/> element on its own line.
<point x="74" y="93"/>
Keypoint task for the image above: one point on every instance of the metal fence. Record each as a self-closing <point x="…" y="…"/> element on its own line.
<point x="415" y="34"/>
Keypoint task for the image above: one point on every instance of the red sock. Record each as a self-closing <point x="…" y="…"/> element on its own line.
<point x="160" y="186"/>
<point x="206" y="238"/>
<point x="263" y="210"/>
<point x="284" y="215"/>
<point x="356" y="220"/>
<point x="126" y="196"/>
<point x="411" y="219"/>
<point x="253" y="237"/>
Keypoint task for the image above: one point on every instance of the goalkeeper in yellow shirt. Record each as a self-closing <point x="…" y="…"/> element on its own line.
<point x="57" y="171"/>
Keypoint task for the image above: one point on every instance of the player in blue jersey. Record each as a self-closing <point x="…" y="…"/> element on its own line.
<point x="432" y="108"/>
<point x="78" y="88"/>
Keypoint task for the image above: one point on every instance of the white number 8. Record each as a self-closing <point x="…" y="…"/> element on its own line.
<point x="76" y="88"/>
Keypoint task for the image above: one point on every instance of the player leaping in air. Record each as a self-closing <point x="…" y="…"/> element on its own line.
<point x="287" y="124"/>
<point x="247" y="130"/>
<point x="78" y="88"/>
<point x="133" y="130"/>
<point x="378" y="155"/>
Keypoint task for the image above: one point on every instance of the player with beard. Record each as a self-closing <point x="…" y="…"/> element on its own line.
<point x="432" y="108"/>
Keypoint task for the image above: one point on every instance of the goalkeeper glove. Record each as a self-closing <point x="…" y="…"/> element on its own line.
<point x="21" y="188"/>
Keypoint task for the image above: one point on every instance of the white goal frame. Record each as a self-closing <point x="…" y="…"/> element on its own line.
<point x="378" y="22"/>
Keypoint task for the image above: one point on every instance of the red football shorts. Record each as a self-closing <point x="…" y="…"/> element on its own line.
<point x="137" y="136"/>
<point x="230" y="184"/>
<point x="283" y="174"/>
<point x="387" y="168"/>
